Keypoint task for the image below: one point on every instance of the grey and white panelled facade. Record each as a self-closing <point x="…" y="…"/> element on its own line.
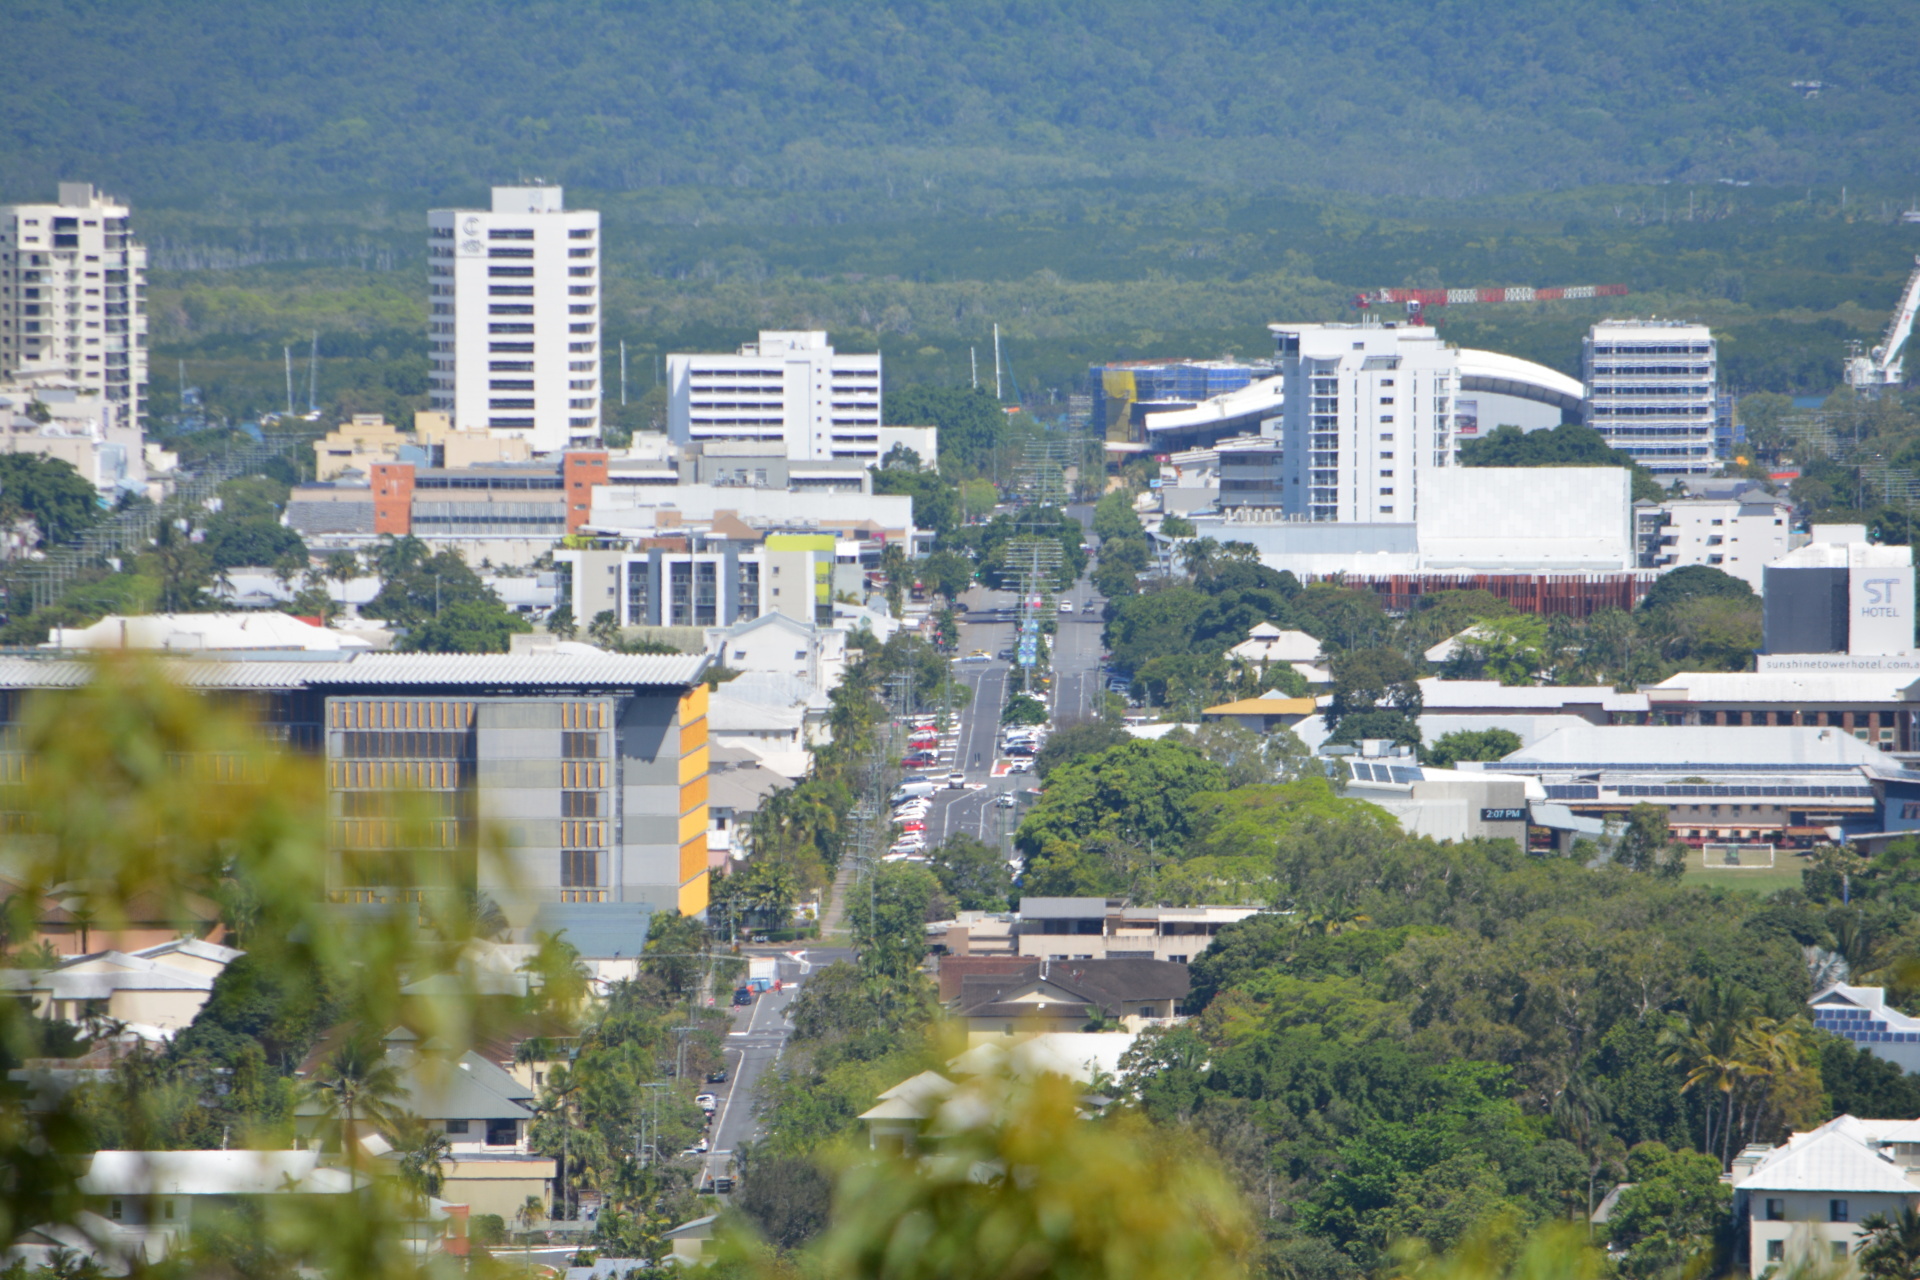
<point x="1650" y="392"/>
<point x="1367" y="409"/>
<point x="789" y="390"/>
<point x="583" y="788"/>
<point x="72" y="296"/>
<point x="514" y="324"/>
<point x="656" y="588"/>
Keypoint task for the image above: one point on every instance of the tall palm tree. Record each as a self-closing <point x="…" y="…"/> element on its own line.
<point x="357" y="1083"/>
<point x="1890" y="1247"/>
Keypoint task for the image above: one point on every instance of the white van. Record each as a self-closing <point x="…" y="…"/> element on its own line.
<point x="909" y="790"/>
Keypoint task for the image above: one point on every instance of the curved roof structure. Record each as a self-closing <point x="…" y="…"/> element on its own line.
<point x="1223" y="415"/>
<point x="1506" y="375"/>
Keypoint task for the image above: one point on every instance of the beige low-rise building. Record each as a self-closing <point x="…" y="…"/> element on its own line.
<point x="158" y="989"/>
<point x="1109" y="929"/>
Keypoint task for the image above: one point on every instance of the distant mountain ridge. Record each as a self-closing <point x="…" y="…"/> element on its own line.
<point x="175" y="101"/>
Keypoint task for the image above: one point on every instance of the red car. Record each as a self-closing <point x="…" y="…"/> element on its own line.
<point x="913" y="826"/>
<point x="919" y="760"/>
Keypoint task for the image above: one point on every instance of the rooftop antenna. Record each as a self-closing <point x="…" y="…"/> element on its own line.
<point x="313" y="375"/>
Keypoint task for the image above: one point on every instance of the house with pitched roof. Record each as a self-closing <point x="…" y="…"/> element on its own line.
<point x="156" y="990"/>
<point x="1802" y="1203"/>
<point x="1045" y="996"/>
<point x="1862" y="1015"/>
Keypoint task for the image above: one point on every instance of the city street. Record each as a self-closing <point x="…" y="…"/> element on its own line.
<point x="989" y="625"/>
<point x="753" y="1047"/>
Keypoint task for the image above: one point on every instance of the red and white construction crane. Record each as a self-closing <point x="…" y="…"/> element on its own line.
<point x="1419" y="299"/>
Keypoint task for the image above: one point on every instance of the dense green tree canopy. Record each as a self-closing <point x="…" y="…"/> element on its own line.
<point x="49" y="492"/>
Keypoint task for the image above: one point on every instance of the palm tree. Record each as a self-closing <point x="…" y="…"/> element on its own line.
<point x="1890" y="1247"/>
<point x="421" y="1147"/>
<point x="355" y="1083"/>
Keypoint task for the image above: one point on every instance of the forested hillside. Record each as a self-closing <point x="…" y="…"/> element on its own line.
<point x="943" y="103"/>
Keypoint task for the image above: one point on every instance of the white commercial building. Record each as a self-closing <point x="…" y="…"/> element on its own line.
<point x="72" y="292"/>
<point x="1370" y="410"/>
<point x="1470" y="519"/>
<point x="1839" y="595"/>
<point x="61" y="417"/>
<point x="790" y="390"/>
<point x="1737" y="535"/>
<point x="514" y="329"/>
<point x="1650" y="392"/>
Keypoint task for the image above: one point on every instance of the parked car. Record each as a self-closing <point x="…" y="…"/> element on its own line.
<point x="743" y="995"/>
<point x="717" y="1077"/>
<point x="1066" y="606"/>
<point x="706" y="1102"/>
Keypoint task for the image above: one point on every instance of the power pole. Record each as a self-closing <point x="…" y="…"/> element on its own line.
<point x="973" y="362"/>
<point x="996" y="360"/>
<point x="288" y="352"/>
<point x="623" y="372"/>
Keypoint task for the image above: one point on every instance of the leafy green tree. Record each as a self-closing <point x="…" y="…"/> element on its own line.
<point x="49" y="492"/>
<point x="1676" y="1214"/>
<point x="1648" y="845"/>
<point x="1106" y="821"/>
<point x="466" y="626"/>
<point x="675" y="952"/>
<point x="1091" y="1200"/>
<point x="1373" y="681"/>
<point x="978" y="498"/>
<point x="1470" y="744"/>
<point x="889" y="927"/>
<point x="1694" y="582"/>
<point x="1114" y="517"/>
<point x="1567" y="445"/>
<point x="1023" y="708"/>
<point x="971" y="423"/>
<point x="946" y="572"/>
<point x="1176" y="527"/>
<point x="1075" y="741"/>
<point x="936" y="503"/>
<point x="972" y="873"/>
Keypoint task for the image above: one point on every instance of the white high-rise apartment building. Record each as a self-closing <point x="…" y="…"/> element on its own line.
<point x="1650" y="392"/>
<point x="1368" y="407"/>
<point x="514" y="329"/>
<point x="788" y="390"/>
<point x="72" y="293"/>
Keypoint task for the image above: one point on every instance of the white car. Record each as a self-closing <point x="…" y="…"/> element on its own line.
<point x="1020" y="766"/>
<point x="697" y="1149"/>
<point x="1066" y="606"/>
<point x="706" y="1102"/>
<point x="956" y="781"/>
<point x="909" y="815"/>
<point x="1004" y="802"/>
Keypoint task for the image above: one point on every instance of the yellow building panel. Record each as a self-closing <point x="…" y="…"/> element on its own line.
<point x="693" y="824"/>
<point x="693" y="705"/>
<point x="693" y="766"/>
<point x="693" y="793"/>
<point x="693" y="894"/>
<point x="693" y="858"/>
<point x="693" y="736"/>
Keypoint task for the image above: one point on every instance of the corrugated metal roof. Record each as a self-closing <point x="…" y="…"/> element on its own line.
<point x="612" y="670"/>
<point x="498" y="670"/>
<point x="1784" y="686"/>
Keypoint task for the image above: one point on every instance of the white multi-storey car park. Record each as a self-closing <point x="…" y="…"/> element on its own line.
<point x="514" y="326"/>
